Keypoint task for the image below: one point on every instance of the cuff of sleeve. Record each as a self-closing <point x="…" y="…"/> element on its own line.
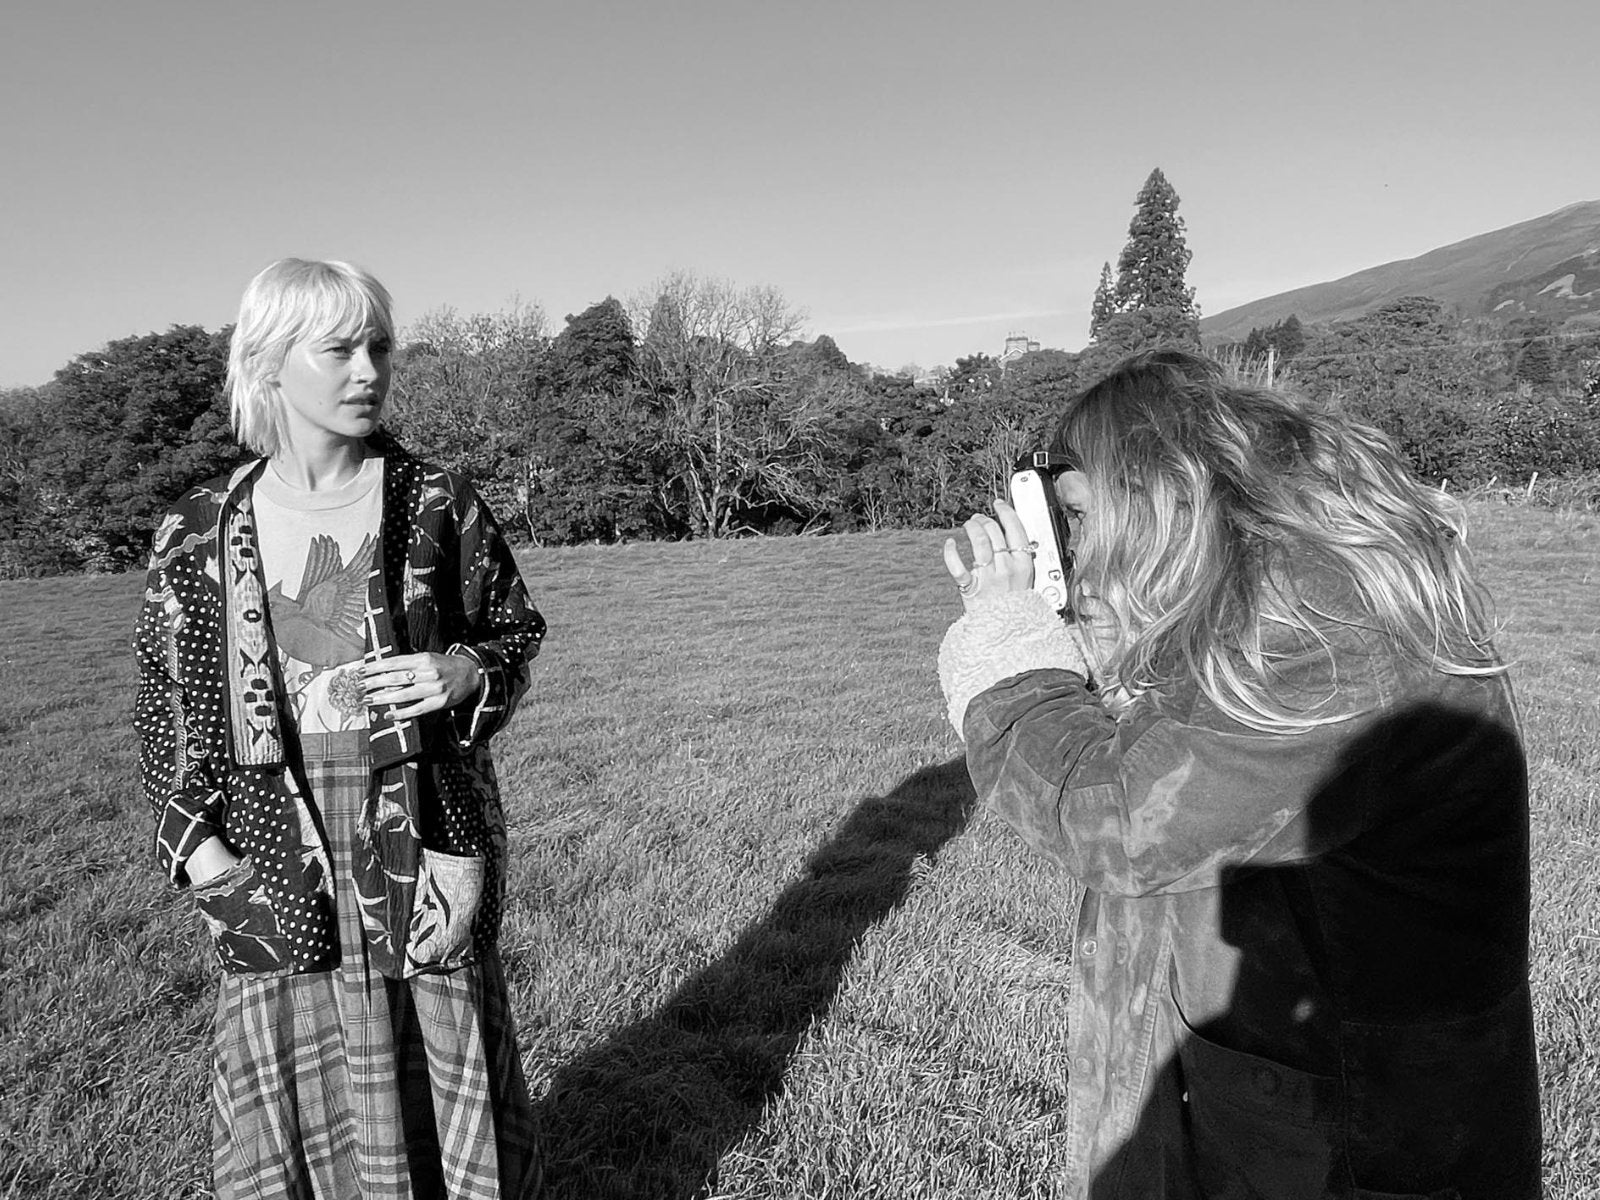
<point x="475" y="719"/>
<point x="185" y="825"/>
<point x="1005" y="636"/>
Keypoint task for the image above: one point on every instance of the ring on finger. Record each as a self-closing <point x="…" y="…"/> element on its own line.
<point x="411" y="676"/>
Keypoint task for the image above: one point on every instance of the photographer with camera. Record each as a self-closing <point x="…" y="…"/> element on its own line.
<point x="1273" y="743"/>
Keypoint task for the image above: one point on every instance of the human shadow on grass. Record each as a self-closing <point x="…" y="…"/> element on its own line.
<point x="649" y="1113"/>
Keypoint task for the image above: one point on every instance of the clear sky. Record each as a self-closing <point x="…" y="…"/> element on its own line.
<point x="920" y="176"/>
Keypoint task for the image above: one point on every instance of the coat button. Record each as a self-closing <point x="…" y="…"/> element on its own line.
<point x="1267" y="1080"/>
<point x="1081" y="1066"/>
<point x="1089" y="948"/>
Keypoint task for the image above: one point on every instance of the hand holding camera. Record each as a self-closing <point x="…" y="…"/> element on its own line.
<point x="997" y="556"/>
<point x="1025" y="548"/>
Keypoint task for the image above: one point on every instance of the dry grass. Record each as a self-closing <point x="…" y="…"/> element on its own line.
<point x="759" y="944"/>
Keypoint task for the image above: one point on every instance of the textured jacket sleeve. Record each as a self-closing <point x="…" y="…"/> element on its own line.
<point x="1164" y="795"/>
<point x="504" y="629"/>
<point x="1008" y="634"/>
<point x="185" y="796"/>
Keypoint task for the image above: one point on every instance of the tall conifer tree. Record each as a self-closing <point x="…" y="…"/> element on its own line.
<point x="1150" y="271"/>
<point x="1103" y="305"/>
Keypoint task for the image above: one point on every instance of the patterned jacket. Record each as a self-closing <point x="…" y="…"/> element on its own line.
<point x="1301" y="967"/>
<point x="217" y="759"/>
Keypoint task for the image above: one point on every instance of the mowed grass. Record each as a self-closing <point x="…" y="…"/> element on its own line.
<point x="759" y="942"/>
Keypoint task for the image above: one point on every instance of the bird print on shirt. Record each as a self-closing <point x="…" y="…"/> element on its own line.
<point x="320" y="630"/>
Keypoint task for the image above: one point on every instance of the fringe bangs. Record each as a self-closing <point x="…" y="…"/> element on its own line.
<point x="291" y="300"/>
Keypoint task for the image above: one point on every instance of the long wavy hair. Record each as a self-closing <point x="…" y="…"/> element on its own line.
<point x="1222" y="510"/>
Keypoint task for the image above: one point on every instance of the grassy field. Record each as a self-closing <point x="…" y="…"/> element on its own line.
<point x="759" y="943"/>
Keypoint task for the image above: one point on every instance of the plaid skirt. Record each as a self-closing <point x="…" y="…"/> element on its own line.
<point x="347" y="1085"/>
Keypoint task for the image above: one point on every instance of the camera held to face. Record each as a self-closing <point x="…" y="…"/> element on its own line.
<point x="1033" y="495"/>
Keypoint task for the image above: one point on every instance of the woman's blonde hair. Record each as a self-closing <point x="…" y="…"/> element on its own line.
<point x="289" y="301"/>
<point x="1216" y="504"/>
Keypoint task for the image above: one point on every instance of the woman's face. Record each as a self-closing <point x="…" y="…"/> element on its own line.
<point x="1072" y="490"/>
<point x="333" y="387"/>
<point x="1094" y="616"/>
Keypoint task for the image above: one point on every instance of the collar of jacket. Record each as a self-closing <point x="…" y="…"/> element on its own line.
<point x="255" y="689"/>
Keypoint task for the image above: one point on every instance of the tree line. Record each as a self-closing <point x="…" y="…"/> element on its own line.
<point x="1466" y="403"/>
<point x="700" y="414"/>
<point x="698" y="410"/>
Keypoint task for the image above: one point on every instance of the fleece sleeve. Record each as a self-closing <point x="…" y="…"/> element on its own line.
<point x="1006" y="635"/>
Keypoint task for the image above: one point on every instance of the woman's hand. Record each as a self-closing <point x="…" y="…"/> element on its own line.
<point x="413" y="685"/>
<point x="1002" y="560"/>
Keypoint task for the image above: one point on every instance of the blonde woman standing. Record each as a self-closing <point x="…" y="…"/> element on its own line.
<point x="1281" y="758"/>
<point x="329" y="638"/>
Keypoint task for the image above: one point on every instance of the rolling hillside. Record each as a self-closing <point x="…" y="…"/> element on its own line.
<point x="1547" y="267"/>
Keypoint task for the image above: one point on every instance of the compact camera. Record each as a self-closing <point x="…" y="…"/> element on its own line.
<point x="1033" y="495"/>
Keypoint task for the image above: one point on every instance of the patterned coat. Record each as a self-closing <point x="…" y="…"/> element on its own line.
<point x="217" y="760"/>
<point x="1301" y="967"/>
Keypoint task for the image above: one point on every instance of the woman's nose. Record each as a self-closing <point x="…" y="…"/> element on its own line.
<point x="361" y="365"/>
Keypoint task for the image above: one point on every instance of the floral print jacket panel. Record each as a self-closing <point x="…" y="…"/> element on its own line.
<point x="1301" y="966"/>
<point x="217" y="759"/>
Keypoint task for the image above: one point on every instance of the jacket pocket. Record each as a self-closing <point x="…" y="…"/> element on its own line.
<point x="449" y="894"/>
<point x="1257" y="1127"/>
<point x="1447" y="1099"/>
<point x="238" y="911"/>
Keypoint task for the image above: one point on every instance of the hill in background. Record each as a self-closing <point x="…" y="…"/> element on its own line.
<point x="1548" y="268"/>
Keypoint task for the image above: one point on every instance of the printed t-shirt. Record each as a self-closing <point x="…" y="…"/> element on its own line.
<point x="316" y="553"/>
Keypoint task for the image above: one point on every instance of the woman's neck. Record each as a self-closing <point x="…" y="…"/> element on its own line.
<point x="321" y="469"/>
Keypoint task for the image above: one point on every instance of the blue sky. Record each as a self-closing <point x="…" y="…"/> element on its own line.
<point x="921" y="178"/>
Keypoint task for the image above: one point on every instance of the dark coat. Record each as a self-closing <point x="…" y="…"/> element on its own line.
<point x="217" y="760"/>
<point x="1302" y="959"/>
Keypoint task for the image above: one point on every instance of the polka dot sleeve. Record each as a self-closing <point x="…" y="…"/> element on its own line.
<point x="504" y="631"/>
<point x="184" y="797"/>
